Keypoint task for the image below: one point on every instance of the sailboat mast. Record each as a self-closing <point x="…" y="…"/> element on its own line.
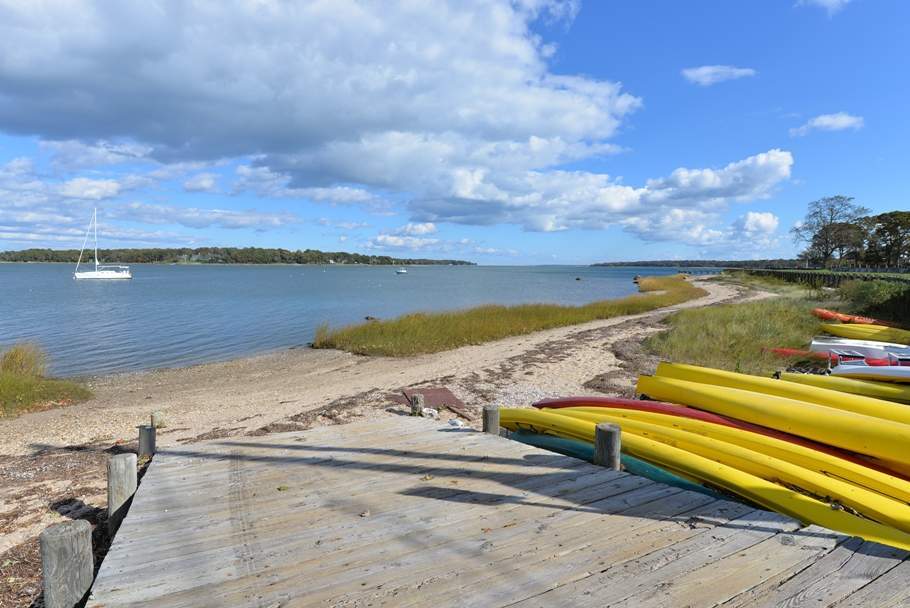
<point x="95" y="219"/>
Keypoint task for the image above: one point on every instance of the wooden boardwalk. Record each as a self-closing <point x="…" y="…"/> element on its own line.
<point x="405" y="512"/>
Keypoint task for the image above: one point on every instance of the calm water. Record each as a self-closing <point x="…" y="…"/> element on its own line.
<point x="170" y="316"/>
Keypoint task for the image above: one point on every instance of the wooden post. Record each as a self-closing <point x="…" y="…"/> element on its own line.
<point x="417" y="404"/>
<point x="146" y="441"/>
<point x="491" y="419"/>
<point x="158" y="420"/>
<point x="607" y="443"/>
<point x="66" y="563"/>
<point x="121" y="485"/>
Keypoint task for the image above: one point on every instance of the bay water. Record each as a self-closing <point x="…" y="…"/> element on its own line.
<point x="171" y="316"/>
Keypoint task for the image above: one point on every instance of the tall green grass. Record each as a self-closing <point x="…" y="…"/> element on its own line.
<point x="736" y="336"/>
<point x="23" y="385"/>
<point x="429" y="333"/>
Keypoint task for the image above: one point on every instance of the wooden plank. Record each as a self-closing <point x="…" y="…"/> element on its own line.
<point x="626" y="577"/>
<point x="840" y="573"/>
<point x="402" y="513"/>
<point x="889" y="590"/>
<point x="718" y="581"/>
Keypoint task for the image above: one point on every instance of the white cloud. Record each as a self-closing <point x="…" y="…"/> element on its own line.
<point x="421" y="229"/>
<point x="755" y="222"/>
<point x="90" y="189"/>
<point x="829" y="122"/>
<point x="450" y="109"/>
<point x="707" y="75"/>
<point x="192" y="217"/>
<point x="750" y="232"/>
<point x="394" y="241"/>
<point x="72" y="154"/>
<point x="201" y="182"/>
<point x="832" y="6"/>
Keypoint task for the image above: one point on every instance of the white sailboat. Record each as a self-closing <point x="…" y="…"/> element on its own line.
<point x="106" y="271"/>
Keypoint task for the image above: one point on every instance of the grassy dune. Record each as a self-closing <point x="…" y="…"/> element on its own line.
<point x="736" y="336"/>
<point x="429" y="333"/>
<point x="23" y="385"/>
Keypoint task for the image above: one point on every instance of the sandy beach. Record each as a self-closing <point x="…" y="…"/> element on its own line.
<point x="57" y="457"/>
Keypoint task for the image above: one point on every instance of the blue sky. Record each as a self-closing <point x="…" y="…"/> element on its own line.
<point x="530" y="131"/>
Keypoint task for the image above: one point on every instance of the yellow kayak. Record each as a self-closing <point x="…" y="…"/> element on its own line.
<point x="858" y="331"/>
<point x="856" y="432"/>
<point x="769" y="386"/>
<point x="880" y="390"/>
<point x="869" y="504"/>
<point x="890" y="486"/>
<point x="755" y="489"/>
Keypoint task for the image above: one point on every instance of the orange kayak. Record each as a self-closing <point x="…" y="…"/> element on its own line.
<point x="832" y="315"/>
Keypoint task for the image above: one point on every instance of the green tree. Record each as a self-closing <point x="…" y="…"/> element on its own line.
<point x="823" y="228"/>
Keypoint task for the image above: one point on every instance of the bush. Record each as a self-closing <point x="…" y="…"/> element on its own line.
<point x="24" y="387"/>
<point x="23" y="360"/>
<point x="881" y="298"/>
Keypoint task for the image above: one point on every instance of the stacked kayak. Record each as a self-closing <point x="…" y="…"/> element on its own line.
<point x="859" y="331"/>
<point x="831" y="315"/>
<point x="818" y="454"/>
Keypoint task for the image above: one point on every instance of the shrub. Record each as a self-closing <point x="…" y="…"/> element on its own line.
<point x="23" y="360"/>
<point x="884" y="298"/>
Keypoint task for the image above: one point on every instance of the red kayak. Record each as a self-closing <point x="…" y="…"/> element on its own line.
<point x="672" y="409"/>
<point x="834" y="357"/>
<point x="833" y="315"/>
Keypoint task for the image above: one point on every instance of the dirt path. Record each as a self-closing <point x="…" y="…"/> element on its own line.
<point x="52" y="463"/>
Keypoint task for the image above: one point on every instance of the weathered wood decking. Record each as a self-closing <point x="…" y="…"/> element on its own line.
<point x="405" y="512"/>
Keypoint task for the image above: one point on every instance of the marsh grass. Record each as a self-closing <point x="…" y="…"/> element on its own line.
<point x="23" y="385"/>
<point x="736" y="337"/>
<point x="421" y="333"/>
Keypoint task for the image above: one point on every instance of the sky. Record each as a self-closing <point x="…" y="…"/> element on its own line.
<point x="497" y="131"/>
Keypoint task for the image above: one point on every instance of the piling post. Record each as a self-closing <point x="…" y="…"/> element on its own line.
<point x="607" y="443"/>
<point x="146" y="441"/>
<point x="66" y="563"/>
<point x="121" y="485"/>
<point x="491" y="419"/>
<point x="417" y="404"/>
<point x="158" y="420"/>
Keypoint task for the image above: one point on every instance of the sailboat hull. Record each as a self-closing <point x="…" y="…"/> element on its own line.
<point x="104" y="274"/>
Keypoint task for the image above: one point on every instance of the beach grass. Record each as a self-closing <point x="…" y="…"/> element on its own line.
<point x="737" y="337"/>
<point x="422" y="333"/>
<point x="23" y="385"/>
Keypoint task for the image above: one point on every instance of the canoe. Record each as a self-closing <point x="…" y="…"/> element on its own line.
<point x="858" y="433"/>
<point x="892" y="373"/>
<point x="867" y="348"/>
<point x="857" y="331"/>
<point x="714" y="474"/>
<point x="727" y="449"/>
<point x="833" y="315"/>
<point x="867" y="406"/>
<point x="679" y="411"/>
<point x="890" y="391"/>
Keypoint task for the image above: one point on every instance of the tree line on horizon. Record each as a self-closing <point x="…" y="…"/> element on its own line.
<point x="215" y="255"/>
<point x="837" y="232"/>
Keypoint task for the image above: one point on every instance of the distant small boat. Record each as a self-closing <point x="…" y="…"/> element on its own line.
<point x="108" y="271"/>
<point x="401" y="271"/>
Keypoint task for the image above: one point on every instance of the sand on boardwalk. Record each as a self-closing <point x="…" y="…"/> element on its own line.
<point x="52" y="463"/>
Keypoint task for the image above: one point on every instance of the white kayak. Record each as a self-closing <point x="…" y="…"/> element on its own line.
<point x="882" y="373"/>
<point x="864" y="348"/>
